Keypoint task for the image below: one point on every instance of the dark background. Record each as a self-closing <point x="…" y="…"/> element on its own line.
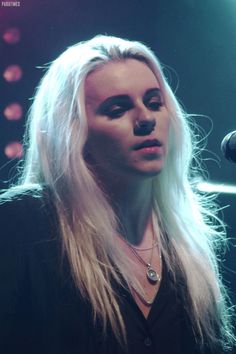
<point x="196" y="40"/>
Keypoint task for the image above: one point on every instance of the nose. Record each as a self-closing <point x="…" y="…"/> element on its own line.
<point x="145" y="124"/>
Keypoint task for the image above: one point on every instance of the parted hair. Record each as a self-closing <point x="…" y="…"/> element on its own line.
<point x="191" y="233"/>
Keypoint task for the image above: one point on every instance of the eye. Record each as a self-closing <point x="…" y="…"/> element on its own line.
<point x="117" y="111"/>
<point x="154" y="104"/>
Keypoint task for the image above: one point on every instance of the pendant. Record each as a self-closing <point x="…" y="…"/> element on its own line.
<point x="152" y="275"/>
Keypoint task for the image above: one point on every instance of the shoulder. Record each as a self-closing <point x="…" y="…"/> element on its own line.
<point x="26" y="213"/>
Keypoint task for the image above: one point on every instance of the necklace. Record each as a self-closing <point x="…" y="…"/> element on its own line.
<point x="142" y="296"/>
<point x="152" y="276"/>
<point x="155" y="244"/>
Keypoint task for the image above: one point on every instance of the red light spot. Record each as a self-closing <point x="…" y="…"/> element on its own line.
<point x="13" y="111"/>
<point x="14" y="150"/>
<point x="11" y="35"/>
<point x="13" y="73"/>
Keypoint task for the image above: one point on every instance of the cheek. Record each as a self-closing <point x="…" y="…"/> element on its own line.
<point x="165" y="132"/>
<point x="169" y="136"/>
<point x="166" y="127"/>
<point x="102" y="145"/>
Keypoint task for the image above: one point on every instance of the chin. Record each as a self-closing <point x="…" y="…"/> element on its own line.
<point x="151" y="171"/>
<point x="146" y="173"/>
<point x="140" y="171"/>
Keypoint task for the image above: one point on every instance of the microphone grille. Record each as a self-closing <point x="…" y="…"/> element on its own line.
<point x="228" y="146"/>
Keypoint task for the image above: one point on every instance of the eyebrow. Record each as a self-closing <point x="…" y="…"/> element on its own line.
<point x="154" y="91"/>
<point x="126" y="98"/>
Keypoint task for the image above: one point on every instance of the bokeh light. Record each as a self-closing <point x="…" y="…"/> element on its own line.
<point x="13" y="73"/>
<point x="13" y="111"/>
<point x="14" y="150"/>
<point x="12" y="35"/>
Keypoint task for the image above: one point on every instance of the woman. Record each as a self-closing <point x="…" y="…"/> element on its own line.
<point x="107" y="247"/>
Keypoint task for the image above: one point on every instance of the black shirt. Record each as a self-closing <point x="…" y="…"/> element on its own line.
<point x="41" y="312"/>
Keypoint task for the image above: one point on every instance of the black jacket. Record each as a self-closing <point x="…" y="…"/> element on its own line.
<point x="41" y="312"/>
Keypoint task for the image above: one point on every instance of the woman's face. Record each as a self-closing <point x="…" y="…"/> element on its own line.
<point x="127" y="119"/>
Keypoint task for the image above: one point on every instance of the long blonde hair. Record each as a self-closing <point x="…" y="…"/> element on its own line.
<point x="56" y="134"/>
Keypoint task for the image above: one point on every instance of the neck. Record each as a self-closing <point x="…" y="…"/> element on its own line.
<point x="132" y="203"/>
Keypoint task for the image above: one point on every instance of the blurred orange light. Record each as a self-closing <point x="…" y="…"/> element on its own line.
<point x="11" y="35"/>
<point x="14" y="150"/>
<point x="13" y="73"/>
<point x="13" y="111"/>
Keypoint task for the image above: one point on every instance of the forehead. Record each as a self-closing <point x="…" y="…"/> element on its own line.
<point x="128" y="77"/>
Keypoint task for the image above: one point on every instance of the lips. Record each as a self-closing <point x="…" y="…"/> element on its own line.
<point x="147" y="144"/>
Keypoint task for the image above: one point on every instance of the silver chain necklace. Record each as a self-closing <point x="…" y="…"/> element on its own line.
<point x="142" y="297"/>
<point x="155" y="244"/>
<point x="152" y="276"/>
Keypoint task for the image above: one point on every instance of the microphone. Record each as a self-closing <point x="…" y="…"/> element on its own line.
<point x="228" y="146"/>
